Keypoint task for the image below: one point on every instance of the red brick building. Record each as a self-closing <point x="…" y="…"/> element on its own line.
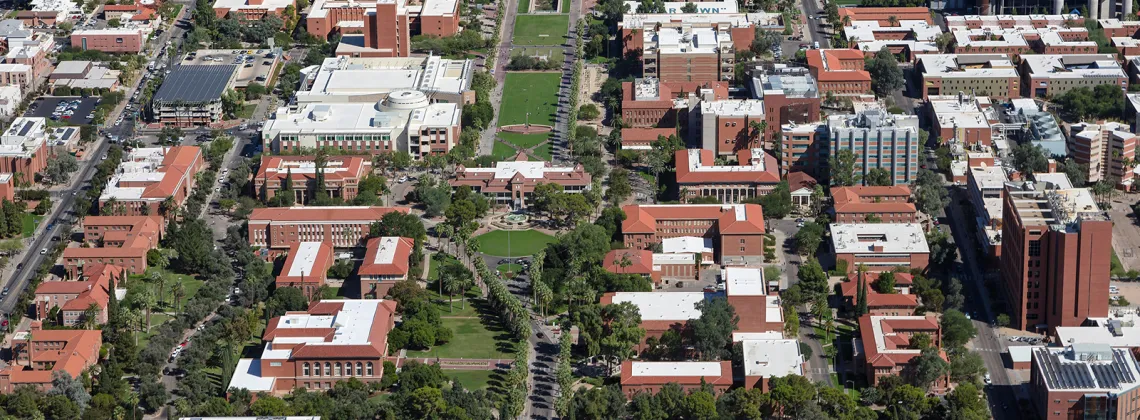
<point x="1055" y="257"/>
<point x="510" y="183"/>
<point x="118" y="240"/>
<point x="278" y="228"/>
<point x="1082" y="381"/>
<point x="110" y="40"/>
<point x="883" y="15"/>
<point x="386" y="262"/>
<point x="649" y="102"/>
<point x="880" y="246"/>
<point x="73" y="298"/>
<point x="649" y="377"/>
<point x="890" y="204"/>
<point x="342" y="176"/>
<point x="737" y="230"/>
<point x="886" y="349"/>
<point x="676" y="262"/>
<point x="383" y="28"/>
<point x="839" y="71"/>
<point x="252" y="9"/>
<point x="333" y="341"/>
<point x="643" y="138"/>
<point x="306" y="267"/>
<point x="39" y="353"/>
<point x="900" y="303"/>
<point x="149" y="176"/>
<point x="24" y="149"/>
<point x="755" y="174"/>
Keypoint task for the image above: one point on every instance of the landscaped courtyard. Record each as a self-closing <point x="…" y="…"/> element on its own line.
<point x="470" y="339"/>
<point x="541" y="29"/>
<point x="515" y="243"/>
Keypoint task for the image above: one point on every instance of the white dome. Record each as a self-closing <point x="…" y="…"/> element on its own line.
<point x="405" y="99"/>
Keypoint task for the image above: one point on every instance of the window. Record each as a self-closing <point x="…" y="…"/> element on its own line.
<point x="275" y="364"/>
<point x="368" y="372"/>
<point x="1035" y="248"/>
<point x="118" y="40"/>
<point x="328" y="369"/>
<point x="358" y="370"/>
<point x="305" y="370"/>
<point x="338" y="371"/>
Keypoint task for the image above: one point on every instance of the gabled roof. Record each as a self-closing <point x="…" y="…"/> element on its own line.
<point x="799" y="180"/>
<point x="879" y="300"/>
<point x="862" y="199"/>
<point x="640" y="260"/>
<point x="731" y="218"/>
<point x="695" y="167"/>
<point x="386" y="256"/>
<point x="321" y="214"/>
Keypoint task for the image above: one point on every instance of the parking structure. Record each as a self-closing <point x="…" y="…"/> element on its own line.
<point x="254" y="66"/>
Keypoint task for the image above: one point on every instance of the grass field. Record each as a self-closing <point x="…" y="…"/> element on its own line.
<point x="553" y="54"/>
<point x="544" y="152"/>
<point x="524" y="141"/>
<point x="433" y="267"/>
<point x="524" y="6"/>
<point x="503" y="151"/>
<point x="31" y="221"/>
<point x="536" y="93"/>
<point x="541" y="29"/>
<point x="565" y="6"/>
<point x="156" y="319"/>
<point x="522" y="243"/>
<point x="847" y="2"/>
<point x="246" y="111"/>
<point x="509" y="268"/>
<point x="472" y="379"/>
<point x="471" y="340"/>
<point x="190" y="285"/>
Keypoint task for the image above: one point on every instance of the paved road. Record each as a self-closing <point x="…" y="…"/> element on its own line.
<point x="987" y="344"/>
<point x="813" y="12"/>
<point x="499" y="69"/>
<point x="66" y="198"/>
<point x="559" y="140"/>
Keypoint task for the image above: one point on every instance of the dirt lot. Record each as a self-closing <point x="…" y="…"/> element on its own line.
<point x="258" y="69"/>
<point x="1130" y="291"/>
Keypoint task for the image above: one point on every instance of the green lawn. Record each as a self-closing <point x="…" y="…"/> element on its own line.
<point x="521" y="243"/>
<point x="156" y="319"/>
<point x="503" y="151"/>
<point x="544" y="151"/>
<point x="541" y="29"/>
<point x="524" y="6"/>
<point x="555" y="54"/>
<point x="471" y="340"/>
<point x="565" y="6"/>
<point x="31" y="221"/>
<point x="190" y="285"/>
<point x="433" y="267"/>
<point x="847" y="2"/>
<point x="509" y="268"/>
<point x="523" y="141"/>
<point x="536" y="93"/>
<point x="246" y="111"/>
<point x="472" y="379"/>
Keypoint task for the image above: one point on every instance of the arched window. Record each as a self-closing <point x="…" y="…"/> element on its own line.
<point x="328" y="369"/>
<point x="338" y="371"/>
<point x="305" y="369"/>
<point x="368" y="372"/>
<point x="359" y="369"/>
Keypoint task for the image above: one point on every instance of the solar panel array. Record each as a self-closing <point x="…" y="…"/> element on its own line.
<point x="195" y="83"/>
<point x="1065" y="374"/>
<point x="26" y="128"/>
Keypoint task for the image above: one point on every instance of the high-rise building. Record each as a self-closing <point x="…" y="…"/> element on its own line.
<point x="878" y="140"/>
<point x="1056" y="246"/>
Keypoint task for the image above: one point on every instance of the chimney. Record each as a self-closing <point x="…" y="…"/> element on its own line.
<point x="1052" y="166"/>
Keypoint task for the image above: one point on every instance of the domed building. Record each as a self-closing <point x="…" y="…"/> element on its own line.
<point x="404" y="120"/>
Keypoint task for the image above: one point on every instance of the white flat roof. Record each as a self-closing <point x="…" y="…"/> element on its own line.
<point x="528" y="169"/>
<point x="686" y="244"/>
<point x="966" y="113"/>
<point x="248" y="375"/>
<point x="989" y="177"/>
<point x="946" y="66"/>
<point x="387" y="251"/>
<point x="1019" y="354"/>
<point x="368" y="76"/>
<point x="861" y="238"/>
<point x="756" y="166"/>
<point x="304" y="259"/>
<point x="772" y="358"/>
<point x="733" y="107"/>
<point x="773" y="312"/>
<point x="744" y="281"/>
<point x="663" y="306"/>
<point x="1072" y="66"/>
<point x="352" y="324"/>
<point x="880" y="338"/>
<point x="1059" y="180"/>
<point x="688" y="369"/>
<point x="671" y="259"/>
<point x="766" y="335"/>
<point x="673" y="8"/>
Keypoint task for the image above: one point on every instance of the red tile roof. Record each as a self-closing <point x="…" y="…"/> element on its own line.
<point x="641" y="261"/>
<point x="80" y="350"/>
<point x="179" y="165"/>
<point x="374" y="346"/>
<point x="643" y="218"/>
<point x="399" y="264"/>
<point x="337" y="168"/>
<point x="862" y="199"/>
<point x="321" y="214"/>
<point x="880" y="300"/>
<point x="700" y="172"/>
<point x="798" y="180"/>
<point x="316" y="273"/>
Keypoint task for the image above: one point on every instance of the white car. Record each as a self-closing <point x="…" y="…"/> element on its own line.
<point x="403" y="179"/>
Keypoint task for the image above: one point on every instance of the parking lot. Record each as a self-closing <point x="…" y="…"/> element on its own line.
<point x="256" y="66"/>
<point x="45" y="106"/>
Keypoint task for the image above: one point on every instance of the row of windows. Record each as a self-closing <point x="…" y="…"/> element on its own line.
<point x="337" y="369"/>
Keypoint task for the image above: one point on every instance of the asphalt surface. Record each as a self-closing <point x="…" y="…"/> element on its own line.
<point x="45" y="106"/>
<point x="813" y="11"/>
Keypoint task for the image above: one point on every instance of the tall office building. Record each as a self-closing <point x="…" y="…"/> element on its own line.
<point x="879" y="140"/>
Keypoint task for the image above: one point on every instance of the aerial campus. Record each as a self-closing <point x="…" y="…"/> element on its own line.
<point x="570" y="209"/>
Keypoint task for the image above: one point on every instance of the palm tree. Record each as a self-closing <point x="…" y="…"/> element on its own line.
<point x="146" y="299"/>
<point x="159" y="280"/>
<point x="168" y="208"/>
<point x="91" y="315"/>
<point x="893" y="20"/>
<point x="757" y="127"/>
<point x="177" y="292"/>
<point x="443" y="230"/>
